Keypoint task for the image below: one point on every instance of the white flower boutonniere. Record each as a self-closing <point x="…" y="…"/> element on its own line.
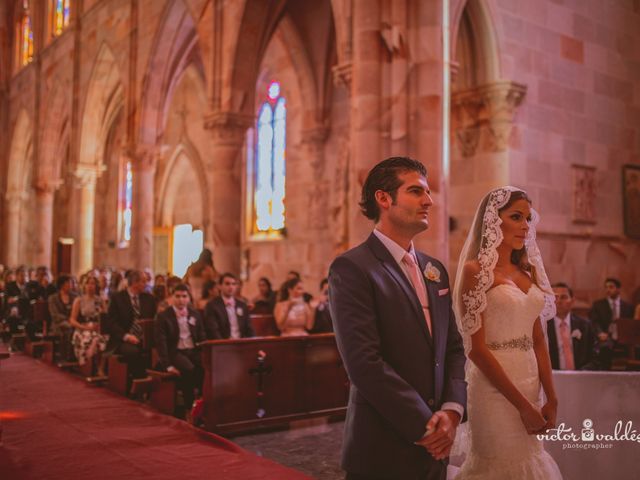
<point x="431" y="273"/>
<point x="192" y="321"/>
<point x="577" y="334"/>
<point x="239" y="311"/>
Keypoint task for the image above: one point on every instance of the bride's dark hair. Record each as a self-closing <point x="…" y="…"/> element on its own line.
<point x="519" y="257"/>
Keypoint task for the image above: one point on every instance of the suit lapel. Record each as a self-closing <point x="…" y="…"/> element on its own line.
<point x="225" y="317"/>
<point x="392" y="267"/>
<point x="173" y="319"/>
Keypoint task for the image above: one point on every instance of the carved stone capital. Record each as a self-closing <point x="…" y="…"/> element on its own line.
<point x="47" y="187"/>
<point x="14" y="197"/>
<point x="87" y="175"/>
<point x="143" y="157"/>
<point x="342" y="75"/>
<point x="486" y="111"/>
<point x="228" y="128"/>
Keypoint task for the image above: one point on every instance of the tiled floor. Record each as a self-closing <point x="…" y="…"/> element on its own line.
<point x="312" y="447"/>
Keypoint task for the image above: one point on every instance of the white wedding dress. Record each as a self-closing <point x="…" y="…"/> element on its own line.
<point x="500" y="447"/>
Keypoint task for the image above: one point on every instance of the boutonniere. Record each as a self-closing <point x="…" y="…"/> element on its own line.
<point x="577" y="334"/>
<point x="192" y="321"/>
<point x="239" y="311"/>
<point x="431" y="273"/>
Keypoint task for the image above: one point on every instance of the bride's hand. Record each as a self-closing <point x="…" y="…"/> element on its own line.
<point x="532" y="419"/>
<point x="549" y="412"/>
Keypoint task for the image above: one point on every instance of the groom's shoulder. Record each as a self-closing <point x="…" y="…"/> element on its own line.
<point x="360" y="255"/>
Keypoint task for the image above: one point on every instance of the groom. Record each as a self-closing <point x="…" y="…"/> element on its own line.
<point x="396" y="332"/>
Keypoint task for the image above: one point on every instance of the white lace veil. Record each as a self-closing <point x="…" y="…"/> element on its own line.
<point x="470" y="295"/>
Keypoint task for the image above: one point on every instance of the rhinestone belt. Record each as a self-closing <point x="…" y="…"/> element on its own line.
<point x="522" y="343"/>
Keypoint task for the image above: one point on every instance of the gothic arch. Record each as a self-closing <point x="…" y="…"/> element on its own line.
<point x="54" y="135"/>
<point x="474" y="43"/>
<point x="185" y="154"/>
<point x="103" y="100"/>
<point x="19" y="189"/>
<point x="176" y="47"/>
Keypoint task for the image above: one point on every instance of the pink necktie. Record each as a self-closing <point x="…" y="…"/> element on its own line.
<point x="566" y="346"/>
<point x="418" y="285"/>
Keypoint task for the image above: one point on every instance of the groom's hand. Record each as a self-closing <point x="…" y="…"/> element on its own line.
<point x="442" y="426"/>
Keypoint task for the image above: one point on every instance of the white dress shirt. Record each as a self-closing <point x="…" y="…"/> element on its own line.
<point x="233" y="317"/>
<point x="185" y="341"/>
<point x="398" y="253"/>
<point x="557" y="322"/>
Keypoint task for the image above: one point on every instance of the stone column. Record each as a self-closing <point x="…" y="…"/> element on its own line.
<point x="12" y="212"/>
<point x="143" y="167"/>
<point x="223" y="234"/>
<point x="317" y="187"/>
<point x="366" y="91"/>
<point x="43" y="238"/>
<point x="86" y="177"/>
<point x="427" y="104"/>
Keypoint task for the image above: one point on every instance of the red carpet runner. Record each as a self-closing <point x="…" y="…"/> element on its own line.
<point x="57" y="427"/>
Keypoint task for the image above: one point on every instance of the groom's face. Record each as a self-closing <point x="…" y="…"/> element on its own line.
<point x="410" y="210"/>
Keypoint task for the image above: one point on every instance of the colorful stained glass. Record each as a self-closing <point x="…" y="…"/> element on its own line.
<point x="26" y="40"/>
<point x="269" y="178"/>
<point x="125" y="213"/>
<point x="60" y="16"/>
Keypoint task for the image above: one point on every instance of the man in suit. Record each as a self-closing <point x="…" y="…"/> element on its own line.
<point x="604" y="314"/>
<point x="322" y="322"/>
<point x="226" y="316"/>
<point x="605" y="311"/>
<point x="397" y="336"/>
<point x="178" y="330"/>
<point x="125" y="308"/>
<point x="572" y="340"/>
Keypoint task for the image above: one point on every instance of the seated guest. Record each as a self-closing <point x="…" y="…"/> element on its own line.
<point x="239" y="295"/>
<point x="114" y="283"/>
<point x="604" y="314"/>
<point x="226" y="316"/>
<point x="636" y="315"/>
<point x="209" y="292"/>
<point x="572" y="340"/>
<point x="606" y="311"/>
<point x="60" y="305"/>
<point x="265" y="301"/>
<point x="178" y="330"/>
<point x="293" y="315"/>
<point x="125" y="309"/>
<point x="16" y="294"/>
<point x="322" y="322"/>
<point x="40" y="288"/>
<point x="292" y="274"/>
<point x="85" y="319"/>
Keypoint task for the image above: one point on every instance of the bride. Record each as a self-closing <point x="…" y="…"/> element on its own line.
<point x="502" y="300"/>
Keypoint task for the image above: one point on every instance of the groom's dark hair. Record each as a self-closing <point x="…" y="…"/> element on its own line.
<point x="384" y="176"/>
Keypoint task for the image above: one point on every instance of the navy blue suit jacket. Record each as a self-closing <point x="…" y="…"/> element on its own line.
<point x="400" y="374"/>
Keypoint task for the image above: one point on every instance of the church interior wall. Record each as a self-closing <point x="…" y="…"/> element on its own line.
<point x="577" y="122"/>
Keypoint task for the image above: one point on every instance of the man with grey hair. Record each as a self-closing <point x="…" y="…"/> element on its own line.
<point x="125" y="309"/>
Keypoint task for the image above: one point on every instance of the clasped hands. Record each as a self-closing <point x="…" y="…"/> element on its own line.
<point x="441" y="432"/>
<point x="538" y="422"/>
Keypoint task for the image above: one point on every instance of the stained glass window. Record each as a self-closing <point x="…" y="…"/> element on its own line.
<point x="60" y="17"/>
<point x="125" y="204"/>
<point x="26" y="38"/>
<point x="269" y="178"/>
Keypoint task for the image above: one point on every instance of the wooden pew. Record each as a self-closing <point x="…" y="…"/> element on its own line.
<point x="163" y="391"/>
<point x="264" y="325"/>
<point x="119" y="380"/>
<point x="257" y="382"/>
<point x="629" y="338"/>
